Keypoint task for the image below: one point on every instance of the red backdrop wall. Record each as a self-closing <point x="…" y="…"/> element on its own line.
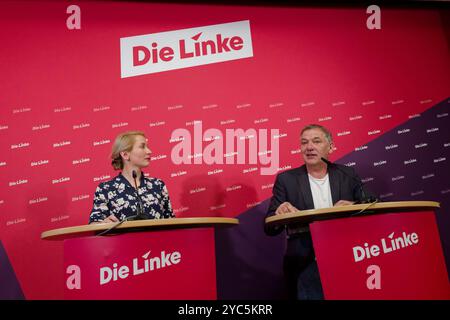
<point x="63" y="101"/>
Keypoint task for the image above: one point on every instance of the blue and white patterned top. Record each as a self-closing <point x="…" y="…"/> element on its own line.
<point x="118" y="197"/>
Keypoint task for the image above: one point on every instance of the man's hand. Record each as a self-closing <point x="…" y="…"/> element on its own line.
<point x="285" y="207"/>
<point x="343" y="203"/>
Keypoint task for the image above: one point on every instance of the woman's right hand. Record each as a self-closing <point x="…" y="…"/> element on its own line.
<point x="110" y="219"/>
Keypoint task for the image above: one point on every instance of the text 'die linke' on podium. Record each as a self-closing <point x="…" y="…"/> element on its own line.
<point x="144" y="259"/>
<point x="388" y="250"/>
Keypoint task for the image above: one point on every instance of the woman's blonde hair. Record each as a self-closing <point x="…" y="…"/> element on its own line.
<point x="123" y="142"/>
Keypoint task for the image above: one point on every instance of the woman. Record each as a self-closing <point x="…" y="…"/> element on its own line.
<point x="118" y="199"/>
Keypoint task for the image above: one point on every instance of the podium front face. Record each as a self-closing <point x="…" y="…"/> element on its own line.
<point x="174" y="264"/>
<point x="386" y="256"/>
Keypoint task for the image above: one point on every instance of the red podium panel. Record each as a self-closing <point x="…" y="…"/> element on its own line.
<point x="171" y="264"/>
<point x="386" y="256"/>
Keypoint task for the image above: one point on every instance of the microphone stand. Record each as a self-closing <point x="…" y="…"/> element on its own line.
<point x="364" y="198"/>
<point x="140" y="215"/>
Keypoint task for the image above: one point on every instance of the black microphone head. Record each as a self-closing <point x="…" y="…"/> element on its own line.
<point x="134" y="174"/>
<point x="326" y="161"/>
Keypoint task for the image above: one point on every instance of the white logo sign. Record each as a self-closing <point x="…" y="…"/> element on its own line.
<point x="387" y="245"/>
<point x="185" y="48"/>
<point x="141" y="265"/>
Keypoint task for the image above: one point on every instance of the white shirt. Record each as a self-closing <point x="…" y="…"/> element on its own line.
<point x="321" y="192"/>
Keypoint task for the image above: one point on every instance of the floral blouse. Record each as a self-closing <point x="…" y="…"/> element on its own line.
<point x="118" y="197"/>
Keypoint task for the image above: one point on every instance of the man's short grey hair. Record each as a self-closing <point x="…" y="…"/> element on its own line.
<point x="318" y="126"/>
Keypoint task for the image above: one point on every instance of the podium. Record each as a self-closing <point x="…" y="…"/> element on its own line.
<point x="387" y="250"/>
<point x="146" y="259"/>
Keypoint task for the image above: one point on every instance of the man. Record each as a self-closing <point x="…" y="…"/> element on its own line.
<point x="314" y="185"/>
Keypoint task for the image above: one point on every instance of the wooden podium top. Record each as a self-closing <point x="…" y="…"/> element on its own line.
<point x="308" y="216"/>
<point x="137" y="225"/>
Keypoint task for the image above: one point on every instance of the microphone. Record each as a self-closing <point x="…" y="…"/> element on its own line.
<point x="140" y="215"/>
<point x="364" y="198"/>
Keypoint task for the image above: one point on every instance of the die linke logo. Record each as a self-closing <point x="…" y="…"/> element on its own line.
<point x="391" y="244"/>
<point x="139" y="266"/>
<point x="185" y="48"/>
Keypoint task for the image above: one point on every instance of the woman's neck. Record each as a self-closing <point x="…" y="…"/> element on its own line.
<point x="127" y="172"/>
